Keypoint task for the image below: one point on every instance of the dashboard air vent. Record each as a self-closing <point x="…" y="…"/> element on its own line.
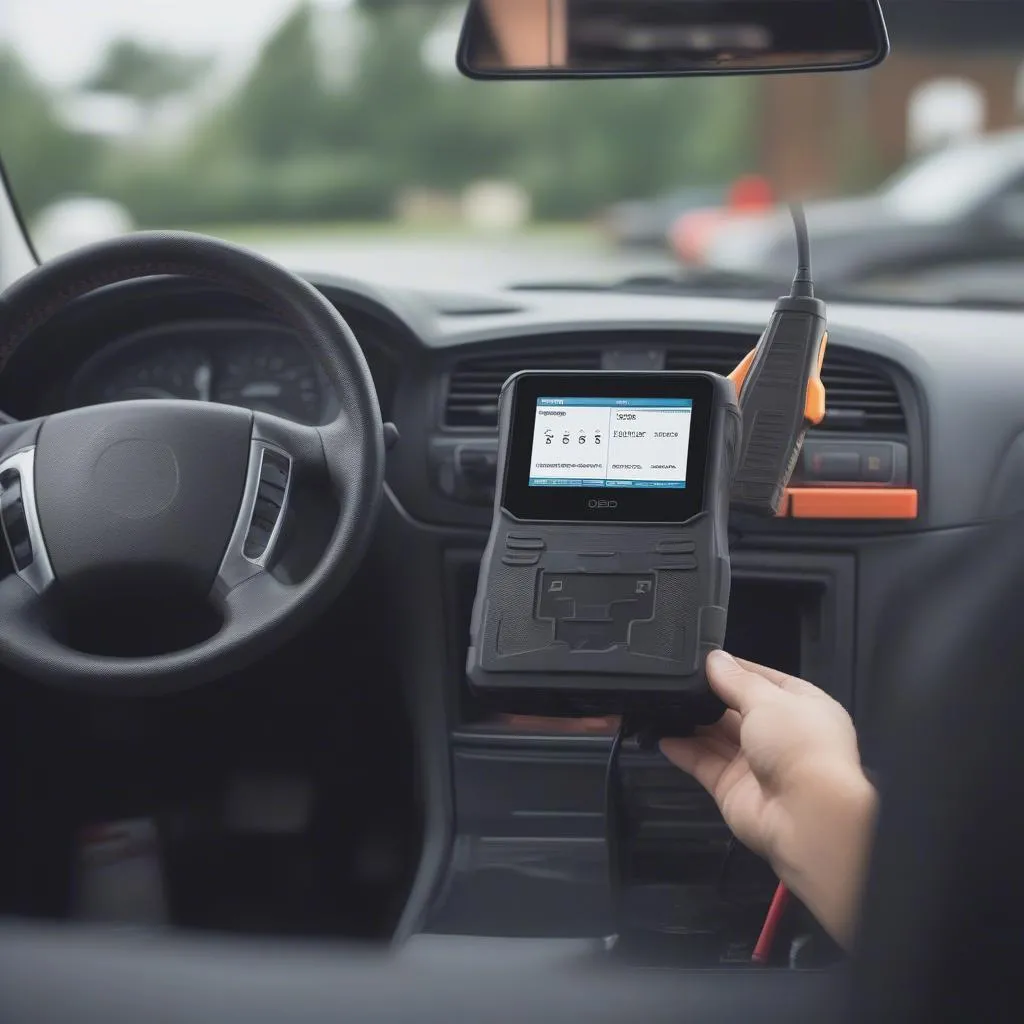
<point x="716" y="353"/>
<point x="859" y="396"/>
<point x="474" y="383"/>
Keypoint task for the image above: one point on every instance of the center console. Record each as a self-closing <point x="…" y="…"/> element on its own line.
<point x="528" y="796"/>
<point x="530" y="851"/>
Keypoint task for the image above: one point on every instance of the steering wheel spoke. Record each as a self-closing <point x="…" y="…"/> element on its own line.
<point x="303" y="444"/>
<point x="269" y="480"/>
<point x="329" y="456"/>
<point x="19" y="601"/>
<point x="260" y="595"/>
<point x="26" y="634"/>
<point x="15" y="437"/>
<point x="19" y="520"/>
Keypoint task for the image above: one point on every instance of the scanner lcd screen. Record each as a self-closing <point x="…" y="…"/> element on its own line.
<point x="608" y="447"/>
<point x="610" y="442"/>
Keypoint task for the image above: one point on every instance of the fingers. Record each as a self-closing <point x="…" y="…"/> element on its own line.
<point x="740" y="687"/>
<point x="727" y="727"/>
<point x="773" y="675"/>
<point x="722" y="738"/>
<point x="698" y="758"/>
<point x="791" y="684"/>
<point x="720" y="744"/>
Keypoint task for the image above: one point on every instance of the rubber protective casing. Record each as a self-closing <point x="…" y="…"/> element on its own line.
<point x="515" y="663"/>
<point x="772" y="398"/>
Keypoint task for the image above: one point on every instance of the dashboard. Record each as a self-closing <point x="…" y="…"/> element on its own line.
<point x="901" y="383"/>
<point x="921" y="402"/>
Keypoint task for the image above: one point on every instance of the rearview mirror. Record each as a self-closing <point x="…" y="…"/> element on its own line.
<point x="659" y="38"/>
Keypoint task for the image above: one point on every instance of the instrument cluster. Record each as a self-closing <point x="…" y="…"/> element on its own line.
<point x="257" y="366"/>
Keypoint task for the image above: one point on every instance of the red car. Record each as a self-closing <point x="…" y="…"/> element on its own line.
<point x="691" y="232"/>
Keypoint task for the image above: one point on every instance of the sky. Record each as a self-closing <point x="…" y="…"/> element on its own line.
<point x="62" y="40"/>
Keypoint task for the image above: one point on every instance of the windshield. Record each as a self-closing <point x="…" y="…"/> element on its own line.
<point x="337" y="137"/>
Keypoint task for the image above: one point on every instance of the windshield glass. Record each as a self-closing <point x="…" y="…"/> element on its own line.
<point x="337" y="137"/>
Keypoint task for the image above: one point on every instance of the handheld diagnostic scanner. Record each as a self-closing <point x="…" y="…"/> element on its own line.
<point x="605" y="580"/>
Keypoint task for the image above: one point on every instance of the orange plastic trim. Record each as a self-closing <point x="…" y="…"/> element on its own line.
<point x="814" y="402"/>
<point x="850" y="503"/>
<point x="739" y="375"/>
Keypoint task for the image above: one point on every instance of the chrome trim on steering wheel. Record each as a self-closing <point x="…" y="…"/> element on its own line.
<point x="37" y="573"/>
<point x="237" y="564"/>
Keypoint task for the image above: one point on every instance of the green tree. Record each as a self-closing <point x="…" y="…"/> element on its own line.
<point x="277" y="111"/>
<point x="147" y="74"/>
<point x="397" y="95"/>
<point x="288" y="145"/>
<point x="43" y="158"/>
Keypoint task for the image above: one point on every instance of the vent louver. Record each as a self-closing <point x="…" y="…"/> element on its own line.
<point x="860" y="396"/>
<point x="474" y="384"/>
<point x="718" y="353"/>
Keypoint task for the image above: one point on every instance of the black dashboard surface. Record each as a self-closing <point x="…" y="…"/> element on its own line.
<point x="114" y="978"/>
<point x="957" y="370"/>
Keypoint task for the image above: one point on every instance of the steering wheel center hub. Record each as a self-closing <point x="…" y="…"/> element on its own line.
<point x="136" y="477"/>
<point x="140" y="488"/>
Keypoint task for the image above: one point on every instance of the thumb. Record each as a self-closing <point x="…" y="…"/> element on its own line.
<point x="738" y="687"/>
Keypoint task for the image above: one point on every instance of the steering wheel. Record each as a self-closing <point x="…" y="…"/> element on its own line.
<point x="180" y="495"/>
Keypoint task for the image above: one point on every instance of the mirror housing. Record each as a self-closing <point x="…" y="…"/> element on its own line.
<point x="504" y="39"/>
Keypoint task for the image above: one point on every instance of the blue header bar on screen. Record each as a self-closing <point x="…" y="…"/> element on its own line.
<point x="621" y="403"/>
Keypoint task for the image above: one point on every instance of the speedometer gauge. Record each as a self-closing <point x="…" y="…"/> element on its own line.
<point x="244" y="363"/>
<point x="272" y="374"/>
<point x="171" y="373"/>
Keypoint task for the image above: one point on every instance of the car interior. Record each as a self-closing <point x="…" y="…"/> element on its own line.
<point x="243" y="772"/>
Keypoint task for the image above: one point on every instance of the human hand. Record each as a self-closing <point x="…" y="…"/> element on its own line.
<point x="783" y="766"/>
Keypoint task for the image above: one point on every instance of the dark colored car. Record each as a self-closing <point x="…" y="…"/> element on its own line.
<point x="646" y="222"/>
<point x="959" y="206"/>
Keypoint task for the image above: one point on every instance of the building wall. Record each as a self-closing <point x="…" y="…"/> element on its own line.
<point x="821" y="134"/>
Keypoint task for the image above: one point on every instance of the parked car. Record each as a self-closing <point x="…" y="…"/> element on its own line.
<point x="749" y="195"/>
<point x="646" y="222"/>
<point x="960" y="205"/>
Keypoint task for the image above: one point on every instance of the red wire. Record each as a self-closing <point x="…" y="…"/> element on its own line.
<point x="765" y="941"/>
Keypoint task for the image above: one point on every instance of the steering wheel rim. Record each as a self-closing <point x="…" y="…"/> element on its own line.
<point x="144" y="486"/>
